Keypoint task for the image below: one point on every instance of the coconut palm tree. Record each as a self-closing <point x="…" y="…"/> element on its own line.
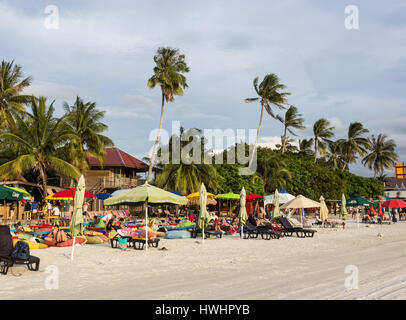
<point x="84" y="121"/>
<point x="382" y="155"/>
<point x="335" y="156"/>
<point x="11" y="100"/>
<point x="273" y="172"/>
<point x="269" y="95"/>
<point x="168" y="74"/>
<point x="37" y="137"/>
<point x="305" y="146"/>
<point x="322" y="131"/>
<point x="187" y="175"/>
<point x="355" y="143"/>
<point x="293" y="120"/>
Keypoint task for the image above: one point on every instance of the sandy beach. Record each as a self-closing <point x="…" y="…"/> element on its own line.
<point x="228" y="268"/>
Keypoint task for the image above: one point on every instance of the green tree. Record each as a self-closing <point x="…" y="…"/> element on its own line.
<point x="292" y="120"/>
<point x="37" y="137"/>
<point x="274" y="173"/>
<point x="11" y="100"/>
<point x="322" y="131"/>
<point x="335" y="155"/>
<point x="269" y="95"/>
<point x="84" y="122"/>
<point x="305" y="146"/>
<point x="168" y="74"/>
<point x="382" y="155"/>
<point x="354" y="144"/>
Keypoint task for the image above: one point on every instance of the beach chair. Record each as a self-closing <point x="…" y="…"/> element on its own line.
<point x="139" y="244"/>
<point x="251" y="231"/>
<point x="207" y="233"/>
<point x="289" y="230"/>
<point x="6" y="248"/>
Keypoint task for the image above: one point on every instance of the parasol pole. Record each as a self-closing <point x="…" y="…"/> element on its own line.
<point x="146" y="224"/>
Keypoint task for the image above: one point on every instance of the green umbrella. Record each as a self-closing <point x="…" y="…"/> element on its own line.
<point x="276" y="210"/>
<point x="24" y="192"/>
<point x="242" y="216"/>
<point x="228" y="196"/>
<point x="77" y="215"/>
<point x="10" y="194"/>
<point x="359" y="201"/>
<point x="145" y="194"/>
<point x="343" y="208"/>
<point x="204" y="217"/>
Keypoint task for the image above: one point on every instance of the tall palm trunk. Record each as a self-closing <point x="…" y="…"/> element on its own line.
<point x="44" y="181"/>
<point x="284" y="141"/>
<point x="315" y="149"/>
<point x="256" y="139"/>
<point x="151" y="165"/>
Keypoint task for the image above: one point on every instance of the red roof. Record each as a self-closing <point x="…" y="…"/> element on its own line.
<point x="115" y="157"/>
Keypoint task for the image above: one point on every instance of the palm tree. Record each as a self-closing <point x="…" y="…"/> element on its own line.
<point x="269" y="94"/>
<point x="37" y="137"/>
<point x="354" y="143"/>
<point x="335" y="155"/>
<point x="168" y="75"/>
<point x="187" y="176"/>
<point x="305" y="146"/>
<point x="382" y="155"/>
<point x="84" y="121"/>
<point x="274" y="173"/>
<point x="322" y="132"/>
<point x="11" y="85"/>
<point x="292" y="119"/>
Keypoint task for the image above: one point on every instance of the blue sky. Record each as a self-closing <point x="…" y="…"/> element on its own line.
<point x="103" y="51"/>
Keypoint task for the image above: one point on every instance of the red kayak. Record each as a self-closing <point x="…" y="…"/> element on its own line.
<point x="67" y="243"/>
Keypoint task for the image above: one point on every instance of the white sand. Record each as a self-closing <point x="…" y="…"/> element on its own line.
<point x="228" y="268"/>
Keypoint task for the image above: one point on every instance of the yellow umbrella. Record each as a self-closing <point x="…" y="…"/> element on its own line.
<point x="323" y="209"/>
<point x="196" y="196"/>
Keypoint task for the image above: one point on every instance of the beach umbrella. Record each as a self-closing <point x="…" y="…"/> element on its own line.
<point x="145" y="194"/>
<point x="372" y="211"/>
<point x="10" y="194"/>
<point x="103" y="196"/>
<point x="196" y="196"/>
<point x="343" y="208"/>
<point x="359" y="201"/>
<point x="228" y="196"/>
<point x="300" y="202"/>
<point x="323" y="209"/>
<point x="276" y="211"/>
<point x="68" y="195"/>
<point x="380" y="212"/>
<point x="25" y="193"/>
<point x="242" y="216"/>
<point x="177" y="193"/>
<point x="204" y="217"/>
<point x="76" y="225"/>
<point x="283" y="198"/>
<point x="394" y="203"/>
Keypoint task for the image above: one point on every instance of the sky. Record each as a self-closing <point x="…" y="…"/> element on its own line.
<point x="103" y="51"/>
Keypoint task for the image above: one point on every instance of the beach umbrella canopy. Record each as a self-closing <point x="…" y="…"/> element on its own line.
<point x="103" y="196"/>
<point x="204" y="217"/>
<point x="228" y="196"/>
<point x="343" y="208"/>
<point x="300" y="202"/>
<point x="283" y="198"/>
<point x="177" y="193"/>
<point x="196" y="196"/>
<point x="254" y="197"/>
<point x="276" y="211"/>
<point x="359" y="201"/>
<point x="68" y="195"/>
<point x="10" y="194"/>
<point x="118" y="191"/>
<point x="394" y="203"/>
<point x="323" y="209"/>
<point x="25" y="193"/>
<point x="77" y="214"/>
<point x="145" y="192"/>
<point x="242" y="216"/>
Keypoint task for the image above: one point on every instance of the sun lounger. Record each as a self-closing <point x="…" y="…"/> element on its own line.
<point x="139" y="244"/>
<point x="289" y="229"/>
<point x="252" y="232"/>
<point x="207" y="233"/>
<point x="6" y="248"/>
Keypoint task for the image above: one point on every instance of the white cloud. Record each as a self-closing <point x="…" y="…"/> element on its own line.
<point x="52" y="90"/>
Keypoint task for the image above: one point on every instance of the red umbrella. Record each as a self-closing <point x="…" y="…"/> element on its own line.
<point x="69" y="195"/>
<point x="254" y="197"/>
<point x="380" y="212"/>
<point x="371" y="211"/>
<point x="394" y="203"/>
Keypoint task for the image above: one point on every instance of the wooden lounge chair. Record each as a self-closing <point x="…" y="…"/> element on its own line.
<point x="300" y="232"/>
<point x="6" y="248"/>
